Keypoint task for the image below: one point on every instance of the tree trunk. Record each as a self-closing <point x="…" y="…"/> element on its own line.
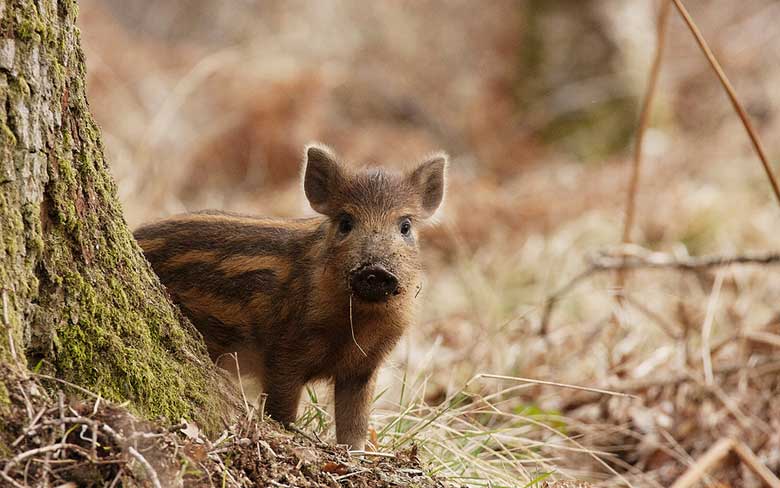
<point x="79" y="301"/>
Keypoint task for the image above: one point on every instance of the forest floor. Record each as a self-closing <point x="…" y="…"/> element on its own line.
<point x="57" y="440"/>
<point x="66" y="441"/>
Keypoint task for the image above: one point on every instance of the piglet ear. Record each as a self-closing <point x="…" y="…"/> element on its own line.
<point x="427" y="181"/>
<point x="322" y="178"/>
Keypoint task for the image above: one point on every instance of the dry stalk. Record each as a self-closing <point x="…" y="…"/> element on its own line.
<point x="706" y="329"/>
<point x="548" y="383"/>
<point x="759" y="148"/>
<point x="234" y="355"/>
<point x="644" y="121"/>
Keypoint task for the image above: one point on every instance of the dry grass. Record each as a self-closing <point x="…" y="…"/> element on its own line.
<point x="210" y="124"/>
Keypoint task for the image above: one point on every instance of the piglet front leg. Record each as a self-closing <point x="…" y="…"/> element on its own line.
<point x="354" y="396"/>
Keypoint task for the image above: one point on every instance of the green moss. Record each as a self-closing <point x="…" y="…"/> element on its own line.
<point x="5" y="449"/>
<point x="31" y="27"/>
<point x="5" y="398"/>
<point x="8" y="135"/>
<point x="25" y="30"/>
<point x="19" y="85"/>
<point x="115" y="334"/>
<point x="116" y="347"/>
<point x="14" y="224"/>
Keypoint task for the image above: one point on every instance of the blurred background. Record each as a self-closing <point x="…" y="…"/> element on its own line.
<point x="208" y="104"/>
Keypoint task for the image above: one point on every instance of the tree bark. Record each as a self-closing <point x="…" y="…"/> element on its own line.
<point x="79" y="301"/>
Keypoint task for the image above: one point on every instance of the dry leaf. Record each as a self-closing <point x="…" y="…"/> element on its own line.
<point x="335" y="468"/>
<point x="191" y="431"/>
<point x="197" y="452"/>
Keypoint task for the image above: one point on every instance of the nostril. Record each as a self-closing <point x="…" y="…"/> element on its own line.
<point x="373" y="282"/>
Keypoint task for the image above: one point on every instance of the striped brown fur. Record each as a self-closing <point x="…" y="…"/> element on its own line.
<point x="306" y="299"/>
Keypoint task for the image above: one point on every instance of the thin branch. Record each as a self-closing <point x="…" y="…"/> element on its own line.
<point x="759" y="148"/>
<point x="148" y="467"/>
<point x="372" y="453"/>
<point x="304" y="434"/>
<point x="714" y="455"/>
<point x="604" y="262"/>
<point x="638" y="385"/>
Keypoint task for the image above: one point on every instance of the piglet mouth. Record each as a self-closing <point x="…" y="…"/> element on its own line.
<point x="373" y="283"/>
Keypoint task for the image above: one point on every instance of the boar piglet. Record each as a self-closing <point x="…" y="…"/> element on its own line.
<point x="306" y="299"/>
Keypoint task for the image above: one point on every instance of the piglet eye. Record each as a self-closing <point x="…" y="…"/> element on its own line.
<point x="406" y="227"/>
<point x="345" y="224"/>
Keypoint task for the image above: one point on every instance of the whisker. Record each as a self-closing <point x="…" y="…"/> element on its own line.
<point x="352" y="327"/>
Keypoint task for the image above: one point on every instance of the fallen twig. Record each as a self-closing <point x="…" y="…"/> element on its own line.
<point x="10" y="480"/>
<point x="755" y="465"/>
<point x="762" y="337"/>
<point x="716" y="454"/>
<point x="713" y="456"/>
<point x="41" y="450"/>
<point x="305" y="435"/>
<point x="372" y="453"/>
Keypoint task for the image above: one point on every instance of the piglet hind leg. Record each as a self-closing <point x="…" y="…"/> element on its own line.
<point x="354" y="396"/>
<point x="284" y="394"/>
